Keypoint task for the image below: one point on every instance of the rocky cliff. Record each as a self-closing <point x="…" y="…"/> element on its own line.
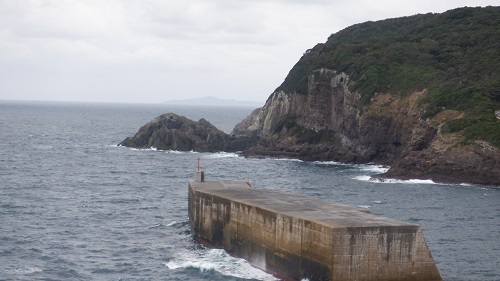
<point x="329" y="123"/>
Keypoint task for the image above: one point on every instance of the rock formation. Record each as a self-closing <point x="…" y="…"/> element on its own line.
<point x="329" y="123"/>
<point x="172" y="132"/>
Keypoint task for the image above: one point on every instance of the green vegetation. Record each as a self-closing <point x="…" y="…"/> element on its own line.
<point x="484" y="130"/>
<point x="454" y="55"/>
<point x="476" y="129"/>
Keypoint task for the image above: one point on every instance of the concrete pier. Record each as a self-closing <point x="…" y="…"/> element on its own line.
<point x="296" y="237"/>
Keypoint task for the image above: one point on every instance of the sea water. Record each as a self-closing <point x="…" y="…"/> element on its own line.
<point x="75" y="206"/>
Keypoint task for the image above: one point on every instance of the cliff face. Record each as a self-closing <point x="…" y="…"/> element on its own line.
<point x="328" y="105"/>
<point x="329" y="123"/>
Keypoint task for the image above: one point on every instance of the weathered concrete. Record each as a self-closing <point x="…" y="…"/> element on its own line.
<point x="297" y="237"/>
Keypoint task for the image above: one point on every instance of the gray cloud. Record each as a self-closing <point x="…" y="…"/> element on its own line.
<point x="155" y="50"/>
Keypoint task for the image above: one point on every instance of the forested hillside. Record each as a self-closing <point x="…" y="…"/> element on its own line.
<point x="454" y="56"/>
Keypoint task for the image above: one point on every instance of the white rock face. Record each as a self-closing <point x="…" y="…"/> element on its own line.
<point x="328" y="105"/>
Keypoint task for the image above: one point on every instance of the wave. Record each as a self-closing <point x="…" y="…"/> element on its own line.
<point x="141" y="149"/>
<point x="172" y="223"/>
<point x="220" y="261"/>
<point x="156" y="149"/>
<point x="286" y="159"/>
<point x="379" y="180"/>
<point x="334" y="163"/>
<point x="383" y="169"/>
<point x="365" y="206"/>
<point x="222" y="155"/>
<point x="170" y="151"/>
<point x="21" y="271"/>
<point x="379" y="169"/>
<point x="209" y="154"/>
<point x="156" y="226"/>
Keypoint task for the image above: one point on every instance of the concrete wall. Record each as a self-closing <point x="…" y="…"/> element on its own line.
<point x="297" y="241"/>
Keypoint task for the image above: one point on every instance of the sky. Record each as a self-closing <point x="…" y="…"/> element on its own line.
<point x="152" y="51"/>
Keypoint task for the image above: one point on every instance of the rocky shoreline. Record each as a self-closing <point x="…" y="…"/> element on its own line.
<point x="329" y="124"/>
<point x="476" y="163"/>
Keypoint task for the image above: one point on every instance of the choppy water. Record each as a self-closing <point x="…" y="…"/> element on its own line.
<point x="74" y="206"/>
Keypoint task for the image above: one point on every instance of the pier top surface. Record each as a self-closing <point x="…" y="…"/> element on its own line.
<point x="320" y="211"/>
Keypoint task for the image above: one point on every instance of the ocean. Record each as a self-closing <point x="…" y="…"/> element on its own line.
<point x="75" y="206"/>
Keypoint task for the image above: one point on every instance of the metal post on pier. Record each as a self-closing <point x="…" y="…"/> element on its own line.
<point x="200" y="175"/>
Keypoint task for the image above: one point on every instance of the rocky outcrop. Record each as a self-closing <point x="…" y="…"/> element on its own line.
<point x="247" y="128"/>
<point x="173" y="132"/>
<point x="329" y="123"/>
<point x="476" y="163"/>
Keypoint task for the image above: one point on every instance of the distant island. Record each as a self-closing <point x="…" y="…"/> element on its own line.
<point x="213" y="101"/>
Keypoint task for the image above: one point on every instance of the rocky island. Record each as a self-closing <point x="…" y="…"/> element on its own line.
<point x="417" y="93"/>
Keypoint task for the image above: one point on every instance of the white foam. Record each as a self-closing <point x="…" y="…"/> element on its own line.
<point x="220" y="261"/>
<point x="363" y="178"/>
<point x="379" y="169"/>
<point x="22" y="271"/>
<point x="222" y="155"/>
<point x="175" y="151"/>
<point x="170" y="151"/>
<point x="147" y="149"/>
<point x="380" y="180"/>
<point x="418" y="181"/>
<point x="287" y="159"/>
<point x="172" y="223"/>
<point x="166" y="151"/>
<point x="364" y="206"/>
<point x="328" y="163"/>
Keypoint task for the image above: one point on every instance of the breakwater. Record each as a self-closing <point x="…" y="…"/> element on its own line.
<point x="296" y="237"/>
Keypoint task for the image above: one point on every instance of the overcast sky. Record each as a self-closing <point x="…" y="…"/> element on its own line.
<point x="155" y="50"/>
